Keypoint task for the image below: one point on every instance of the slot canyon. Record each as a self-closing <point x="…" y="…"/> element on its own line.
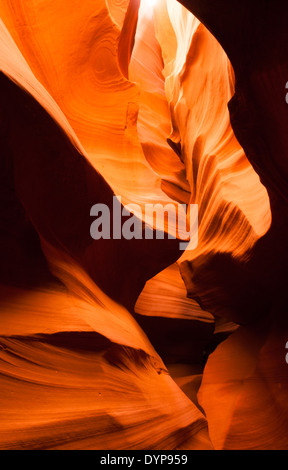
<point x="133" y="344"/>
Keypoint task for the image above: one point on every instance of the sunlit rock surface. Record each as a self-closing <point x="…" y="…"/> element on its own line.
<point x="102" y="341"/>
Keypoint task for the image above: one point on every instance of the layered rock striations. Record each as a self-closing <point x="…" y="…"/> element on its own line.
<point x="130" y="98"/>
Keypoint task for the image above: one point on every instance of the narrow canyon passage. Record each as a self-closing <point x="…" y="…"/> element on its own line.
<point x="117" y="341"/>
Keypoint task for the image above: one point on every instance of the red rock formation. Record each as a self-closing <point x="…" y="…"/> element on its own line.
<point x="129" y="99"/>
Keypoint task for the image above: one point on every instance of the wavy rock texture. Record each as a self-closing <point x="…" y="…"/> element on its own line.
<point x="255" y="379"/>
<point x="119" y="97"/>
